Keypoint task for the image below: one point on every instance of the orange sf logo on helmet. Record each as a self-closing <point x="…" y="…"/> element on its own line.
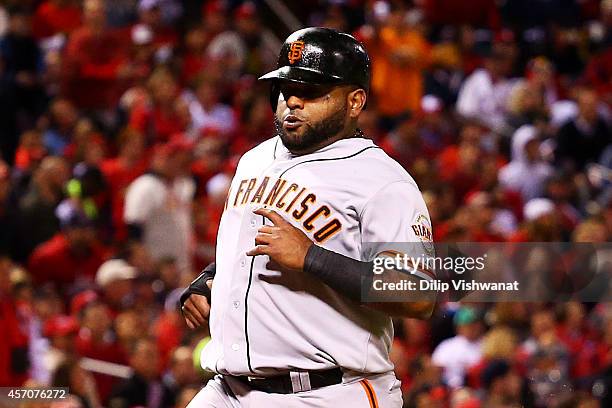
<point x="295" y="51"/>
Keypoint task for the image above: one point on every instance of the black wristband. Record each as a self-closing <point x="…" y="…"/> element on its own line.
<point x="199" y="285"/>
<point x="339" y="272"/>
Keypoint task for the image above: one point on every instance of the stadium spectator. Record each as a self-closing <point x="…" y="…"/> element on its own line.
<point x="37" y="221"/>
<point x="141" y="54"/>
<point x="95" y="59"/>
<point x="402" y="54"/>
<point x="71" y="257"/>
<point x="582" y="140"/>
<point x="168" y="329"/>
<point x="120" y="171"/>
<point x="21" y="77"/>
<point x="158" y="119"/>
<point x="457" y="354"/>
<point x="158" y="204"/>
<point x="56" y="17"/>
<point x="181" y="373"/>
<point x="14" y="347"/>
<point x="498" y="344"/>
<point x="97" y="341"/>
<point x="129" y="327"/>
<point x="80" y="382"/>
<point x="249" y="48"/>
<point x="527" y="173"/>
<point x="61" y="331"/>
<point x="114" y="278"/>
<point x="483" y="13"/>
<point x="484" y="94"/>
<point x="30" y="151"/>
<point x="503" y="385"/>
<point x="208" y="114"/>
<point x="62" y="121"/>
<point x="144" y="387"/>
<point x="155" y="15"/>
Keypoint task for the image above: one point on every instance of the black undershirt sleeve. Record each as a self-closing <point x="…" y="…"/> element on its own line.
<point x="339" y="272"/>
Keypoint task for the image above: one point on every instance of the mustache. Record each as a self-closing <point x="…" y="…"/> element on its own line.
<point x="278" y="125"/>
<point x="292" y="114"/>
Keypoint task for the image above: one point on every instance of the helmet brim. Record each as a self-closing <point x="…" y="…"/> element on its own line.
<point x="300" y="75"/>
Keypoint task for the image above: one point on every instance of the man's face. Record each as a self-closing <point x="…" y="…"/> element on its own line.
<point x="308" y="115"/>
<point x="145" y="360"/>
<point x="21" y="24"/>
<point x="587" y="104"/>
<point x="94" y="13"/>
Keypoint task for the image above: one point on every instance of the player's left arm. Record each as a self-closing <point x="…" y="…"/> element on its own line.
<point x="395" y="221"/>
<point x="292" y="249"/>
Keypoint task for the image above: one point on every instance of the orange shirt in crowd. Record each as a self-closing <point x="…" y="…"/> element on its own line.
<point x="398" y="87"/>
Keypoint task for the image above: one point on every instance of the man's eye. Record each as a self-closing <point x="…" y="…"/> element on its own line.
<point x="304" y="93"/>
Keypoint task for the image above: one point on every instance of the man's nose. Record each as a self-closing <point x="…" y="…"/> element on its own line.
<point x="294" y="102"/>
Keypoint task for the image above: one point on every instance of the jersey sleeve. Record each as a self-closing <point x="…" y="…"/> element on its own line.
<point x="395" y="220"/>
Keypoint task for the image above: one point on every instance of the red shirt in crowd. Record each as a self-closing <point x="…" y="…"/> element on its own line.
<point x="101" y="349"/>
<point x="118" y="177"/>
<point x="457" y="12"/>
<point x="92" y="63"/>
<point x="14" y="340"/>
<point x="51" y="18"/>
<point x="159" y="123"/>
<point x="168" y="331"/>
<point x="54" y="261"/>
<point x="598" y="74"/>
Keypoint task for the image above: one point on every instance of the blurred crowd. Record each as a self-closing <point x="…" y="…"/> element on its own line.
<point x="122" y="123"/>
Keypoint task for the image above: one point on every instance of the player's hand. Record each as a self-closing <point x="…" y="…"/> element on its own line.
<point x="282" y="242"/>
<point x="196" y="309"/>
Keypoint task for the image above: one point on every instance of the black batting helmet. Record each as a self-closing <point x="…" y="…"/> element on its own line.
<point x="320" y="56"/>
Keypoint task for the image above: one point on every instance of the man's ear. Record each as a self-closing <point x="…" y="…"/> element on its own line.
<point x="356" y="102"/>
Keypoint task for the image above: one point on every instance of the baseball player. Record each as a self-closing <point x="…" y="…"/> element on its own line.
<point x="283" y="300"/>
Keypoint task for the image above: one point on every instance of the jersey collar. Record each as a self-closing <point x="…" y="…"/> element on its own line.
<point x="340" y="148"/>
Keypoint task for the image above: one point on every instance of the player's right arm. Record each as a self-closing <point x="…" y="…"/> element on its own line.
<point x="195" y="299"/>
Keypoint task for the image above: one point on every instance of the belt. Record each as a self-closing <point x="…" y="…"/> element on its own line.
<point x="294" y="381"/>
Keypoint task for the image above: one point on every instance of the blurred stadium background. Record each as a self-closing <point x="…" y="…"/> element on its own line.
<point x="121" y="122"/>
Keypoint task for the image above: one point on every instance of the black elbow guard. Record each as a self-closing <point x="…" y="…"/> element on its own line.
<point x="199" y="285"/>
<point x="339" y="272"/>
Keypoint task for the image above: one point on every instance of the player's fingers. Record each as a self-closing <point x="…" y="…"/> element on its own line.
<point x="272" y="216"/>
<point x="258" y="250"/>
<point x="198" y="317"/>
<point x="267" y="229"/>
<point x="263" y="239"/>
<point x="201" y="304"/>
<point x="190" y="323"/>
<point x="192" y="310"/>
<point x="187" y="315"/>
<point x="195" y="322"/>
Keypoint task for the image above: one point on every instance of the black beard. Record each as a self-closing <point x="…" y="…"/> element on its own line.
<point x="313" y="135"/>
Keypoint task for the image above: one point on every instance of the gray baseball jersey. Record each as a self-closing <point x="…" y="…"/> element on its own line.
<point x="265" y="320"/>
